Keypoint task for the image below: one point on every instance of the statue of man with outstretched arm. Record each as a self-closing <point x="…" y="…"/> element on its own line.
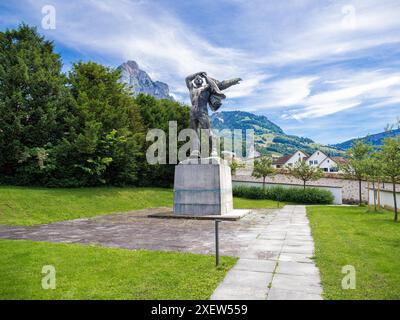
<point x="205" y="91"/>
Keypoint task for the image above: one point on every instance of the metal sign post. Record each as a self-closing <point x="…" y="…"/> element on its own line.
<point x="217" y="242"/>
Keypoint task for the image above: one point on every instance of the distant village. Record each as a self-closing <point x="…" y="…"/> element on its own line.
<point x="318" y="159"/>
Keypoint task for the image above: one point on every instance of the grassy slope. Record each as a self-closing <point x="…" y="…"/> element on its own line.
<point x="368" y="241"/>
<point x="29" y="206"/>
<point x="87" y="272"/>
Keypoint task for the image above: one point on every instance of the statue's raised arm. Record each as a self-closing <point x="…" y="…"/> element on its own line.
<point x="189" y="79"/>
<point x="228" y="83"/>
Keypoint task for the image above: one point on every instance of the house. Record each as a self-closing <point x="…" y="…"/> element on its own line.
<point x="325" y="162"/>
<point x="317" y="159"/>
<point x="289" y="160"/>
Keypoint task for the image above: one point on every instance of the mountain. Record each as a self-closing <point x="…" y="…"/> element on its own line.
<point x="270" y="139"/>
<point x="375" y="140"/>
<point x="140" y="81"/>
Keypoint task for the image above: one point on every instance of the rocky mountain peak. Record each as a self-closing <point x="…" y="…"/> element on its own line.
<point x="140" y="81"/>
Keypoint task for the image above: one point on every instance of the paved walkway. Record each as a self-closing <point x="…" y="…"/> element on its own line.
<point x="277" y="265"/>
<point x="135" y="230"/>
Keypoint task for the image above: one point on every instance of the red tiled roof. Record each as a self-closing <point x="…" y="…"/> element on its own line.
<point x="281" y="160"/>
<point x="339" y="160"/>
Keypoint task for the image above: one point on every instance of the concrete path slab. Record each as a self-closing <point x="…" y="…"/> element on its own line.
<point x="278" y="264"/>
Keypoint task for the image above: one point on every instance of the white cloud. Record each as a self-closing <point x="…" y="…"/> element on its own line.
<point x="288" y="92"/>
<point x="351" y="91"/>
<point x="162" y="45"/>
<point x="248" y="86"/>
<point x="287" y="33"/>
<point x="279" y="49"/>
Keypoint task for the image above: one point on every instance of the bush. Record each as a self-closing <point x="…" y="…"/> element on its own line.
<point x="296" y="195"/>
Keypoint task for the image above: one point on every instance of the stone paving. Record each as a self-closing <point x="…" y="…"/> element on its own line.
<point x="275" y="246"/>
<point x="135" y="230"/>
<point x="277" y="265"/>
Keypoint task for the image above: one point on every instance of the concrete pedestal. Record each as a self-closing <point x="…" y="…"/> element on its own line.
<point x="203" y="189"/>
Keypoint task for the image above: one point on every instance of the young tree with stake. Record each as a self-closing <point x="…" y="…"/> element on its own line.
<point x="355" y="168"/>
<point x="263" y="168"/>
<point x="390" y="162"/>
<point x="301" y="170"/>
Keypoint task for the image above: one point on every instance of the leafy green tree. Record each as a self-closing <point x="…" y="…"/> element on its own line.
<point x="235" y="165"/>
<point x="263" y="168"/>
<point x="372" y="168"/>
<point x="157" y="114"/>
<point x="33" y="102"/>
<point x="355" y="167"/>
<point x="78" y="130"/>
<point x="390" y="162"/>
<point x="301" y="170"/>
<point x="101" y="146"/>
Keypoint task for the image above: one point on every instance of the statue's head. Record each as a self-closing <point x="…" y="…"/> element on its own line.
<point x="198" y="81"/>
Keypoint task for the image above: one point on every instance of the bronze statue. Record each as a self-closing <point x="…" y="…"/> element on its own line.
<point x="205" y="91"/>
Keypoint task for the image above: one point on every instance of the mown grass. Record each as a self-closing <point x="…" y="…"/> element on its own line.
<point x="242" y="203"/>
<point x="90" y="272"/>
<point x="368" y="241"/>
<point x="30" y="206"/>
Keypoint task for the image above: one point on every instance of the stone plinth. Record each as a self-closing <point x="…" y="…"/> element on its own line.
<point x="202" y="189"/>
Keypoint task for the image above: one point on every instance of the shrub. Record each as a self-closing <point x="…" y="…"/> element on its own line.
<point x="296" y="195"/>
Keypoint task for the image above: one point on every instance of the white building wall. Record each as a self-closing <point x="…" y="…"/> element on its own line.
<point x="316" y="158"/>
<point x="328" y="165"/>
<point x="297" y="156"/>
<point x="386" y="198"/>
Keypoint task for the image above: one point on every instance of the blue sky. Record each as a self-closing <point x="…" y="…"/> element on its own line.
<point x="327" y="70"/>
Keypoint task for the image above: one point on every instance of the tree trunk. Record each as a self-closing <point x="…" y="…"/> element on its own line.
<point x="359" y="192"/>
<point x="368" y="198"/>
<point x="379" y="194"/>
<point x="304" y="184"/>
<point x="263" y="183"/>
<point x="373" y="188"/>
<point x="395" y="201"/>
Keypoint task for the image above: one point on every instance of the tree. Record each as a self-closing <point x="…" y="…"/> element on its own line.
<point x="372" y="167"/>
<point x="102" y="146"/>
<point x="157" y="114"/>
<point x="301" y="170"/>
<point x="263" y="168"/>
<point x="355" y="167"/>
<point x="235" y="165"/>
<point x="33" y="102"/>
<point x="78" y="130"/>
<point x="390" y="161"/>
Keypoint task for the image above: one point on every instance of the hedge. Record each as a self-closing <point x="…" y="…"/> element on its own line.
<point x="296" y="195"/>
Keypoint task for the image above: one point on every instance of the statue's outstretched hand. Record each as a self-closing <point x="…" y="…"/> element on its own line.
<point x="238" y="80"/>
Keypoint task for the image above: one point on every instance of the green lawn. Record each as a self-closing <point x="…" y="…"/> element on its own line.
<point x="368" y="241"/>
<point x="30" y="206"/>
<point x="242" y="203"/>
<point x="88" y="272"/>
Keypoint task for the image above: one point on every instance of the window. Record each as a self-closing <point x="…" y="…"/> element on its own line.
<point x="311" y="163"/>
<point x="326" y="169"/>
<point x="315" y="161"/>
